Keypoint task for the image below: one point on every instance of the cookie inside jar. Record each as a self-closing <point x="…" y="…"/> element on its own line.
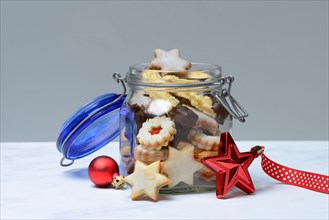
<point x="172" y="114"/>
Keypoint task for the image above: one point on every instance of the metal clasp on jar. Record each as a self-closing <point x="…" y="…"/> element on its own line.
<point x="228" y="101"/>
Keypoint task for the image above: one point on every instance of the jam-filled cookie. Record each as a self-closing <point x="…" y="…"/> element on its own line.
<point x="156" y="133"/>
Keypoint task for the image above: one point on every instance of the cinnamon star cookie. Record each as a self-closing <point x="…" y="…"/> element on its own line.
<point x="168" y="60"/>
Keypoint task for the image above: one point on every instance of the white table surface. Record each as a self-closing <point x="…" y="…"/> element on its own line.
<point x="35" y="186"/>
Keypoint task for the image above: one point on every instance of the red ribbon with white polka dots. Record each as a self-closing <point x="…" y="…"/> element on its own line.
<point x="308" y="180"/>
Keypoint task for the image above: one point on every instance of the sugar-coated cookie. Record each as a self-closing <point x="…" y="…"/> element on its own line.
<point x="168" y="60"/>
<point x="146" y="180"/>
<point x="159" y="107"/>
<point x="181" y="166"/>
<point x="140" y="99"/>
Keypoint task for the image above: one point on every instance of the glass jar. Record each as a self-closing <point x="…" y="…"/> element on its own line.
<point x="172" y="116"/>
<point x="178" y="110"/>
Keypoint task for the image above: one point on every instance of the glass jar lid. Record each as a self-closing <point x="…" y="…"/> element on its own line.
<point x="91" y="127"/>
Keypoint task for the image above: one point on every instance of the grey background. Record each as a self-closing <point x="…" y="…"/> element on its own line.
<point x="57" y="55"/>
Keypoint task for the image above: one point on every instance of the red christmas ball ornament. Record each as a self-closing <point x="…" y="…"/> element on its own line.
<point x="102" y="170"/>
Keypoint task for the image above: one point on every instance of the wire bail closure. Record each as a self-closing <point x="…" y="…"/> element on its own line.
<point x="118" y="78"/>
<point x="66" y="164"/>
<point x="228" y="101"/>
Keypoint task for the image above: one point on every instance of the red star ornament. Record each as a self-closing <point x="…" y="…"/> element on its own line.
<point x="231" y="166"/>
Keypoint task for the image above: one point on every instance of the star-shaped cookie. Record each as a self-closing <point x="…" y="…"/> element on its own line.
<point x="168" y="60"/>
<point x="181" y="166"/>
<point x="146" y="180"/>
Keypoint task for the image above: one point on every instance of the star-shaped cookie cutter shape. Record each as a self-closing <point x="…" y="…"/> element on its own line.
<point x="169" y="61"/>
<point x="181" y="166"/>
<point x="146" y="180"/>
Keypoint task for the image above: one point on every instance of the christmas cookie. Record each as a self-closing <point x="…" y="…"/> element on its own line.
<point x="183" y="116"/>
<point x="140" y="116"/>
<point x="200" y="102"/>
<point x="155" y="77"/>
<point x="126" y="151"/>
<point x="168" y="60"/>
<point x="118" y="182"/>
<point x="152" y="76"/>
<point x="218" y="108"/>
<point x="140" y="99"/>
<point x="200" y="154"/>
<point x="207" y="174"/>
<point x="181" y="135"/>
<point x="203" y="141"/>
<point x="181" y="166"/>
<point x="174" y="79"/>
<point x="159" y="107"/>
<point x="162" y="95"/>
<point x="123" y="135"/>
<point x="156" y="133"/>
<point x="126" y="158"/>
<point x="199" y="75"/>
<point x="183" y="144"/>
<point x="146" y="180"/>
<point x="148" y="156"/>
<point x="205" y="122"/>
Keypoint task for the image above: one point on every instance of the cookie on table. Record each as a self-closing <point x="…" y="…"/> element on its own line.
<point x="146" y="180"/>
